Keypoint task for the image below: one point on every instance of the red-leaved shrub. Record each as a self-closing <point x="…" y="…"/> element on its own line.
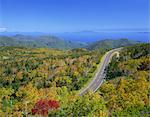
<point x="42" y="107"/>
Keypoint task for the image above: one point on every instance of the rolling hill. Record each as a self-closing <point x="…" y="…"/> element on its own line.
<point x="47" y="41"/>
<point x="109" y="43"/>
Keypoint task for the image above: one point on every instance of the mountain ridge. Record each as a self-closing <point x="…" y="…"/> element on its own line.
<point x="49" y="41"/>
<point x="110" y="44"/>
<point x="39" y="41"/>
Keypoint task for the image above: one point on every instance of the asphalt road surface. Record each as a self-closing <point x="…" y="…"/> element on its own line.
<point x="100" y="75"/>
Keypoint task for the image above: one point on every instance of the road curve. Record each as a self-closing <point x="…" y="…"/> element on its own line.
<point x="100" y="75"/>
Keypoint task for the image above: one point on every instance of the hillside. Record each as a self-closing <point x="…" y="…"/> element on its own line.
<point x="109" y="44"/>
<point x="126" y="90"/>
<point x="33" y="78"/>
<point x="38" y="41"/>
<point x="28" y="75"/>
<point x="48" y="41"/>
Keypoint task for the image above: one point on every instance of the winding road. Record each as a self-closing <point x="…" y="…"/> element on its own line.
<point x="100" y="75"/>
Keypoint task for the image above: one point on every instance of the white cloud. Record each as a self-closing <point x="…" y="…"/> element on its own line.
<point x="3" y="29"/>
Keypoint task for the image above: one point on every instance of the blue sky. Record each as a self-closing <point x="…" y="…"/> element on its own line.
<point x="73" y="15"/>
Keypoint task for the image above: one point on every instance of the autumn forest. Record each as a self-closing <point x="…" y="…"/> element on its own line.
<point x="47" y="82"/>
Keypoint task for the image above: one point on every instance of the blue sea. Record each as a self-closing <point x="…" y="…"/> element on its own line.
<point x="96" y="36"/>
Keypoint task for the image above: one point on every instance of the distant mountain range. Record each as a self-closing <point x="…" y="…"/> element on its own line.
<point x="39" y="41"/>
<point x="92" y="36"/>
<point x="49" y="41"/>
